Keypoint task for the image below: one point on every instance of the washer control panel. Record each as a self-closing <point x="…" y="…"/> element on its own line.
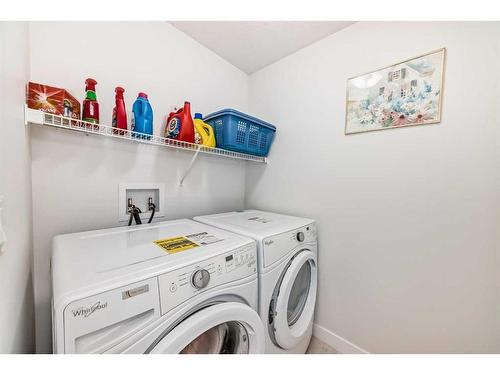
<point x="180" y="285"/>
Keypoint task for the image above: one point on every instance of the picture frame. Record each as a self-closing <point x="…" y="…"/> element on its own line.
<point x="407" y="93"/>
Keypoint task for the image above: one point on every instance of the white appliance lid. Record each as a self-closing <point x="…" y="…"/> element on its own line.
<point x="254" y="223"/>
<point x="80" y="260"/>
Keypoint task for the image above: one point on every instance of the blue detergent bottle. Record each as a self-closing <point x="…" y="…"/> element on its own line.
<point x="143" y="117"/>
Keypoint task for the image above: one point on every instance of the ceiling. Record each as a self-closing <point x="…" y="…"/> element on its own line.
<point x="252" y="45"/>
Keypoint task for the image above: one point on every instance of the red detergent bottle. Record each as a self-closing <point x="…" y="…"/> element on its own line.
<point x="90" y="106"/>
<point x="180" y="125"/>
<point x="119" y="112"/>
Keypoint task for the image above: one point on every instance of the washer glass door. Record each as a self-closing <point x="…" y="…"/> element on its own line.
<point x="294" y="299"/>
<point x="224" y="328"/>
<point x="225" y="338"/>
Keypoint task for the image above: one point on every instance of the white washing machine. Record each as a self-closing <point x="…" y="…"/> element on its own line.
<point x="171" y="287"/>
<point x="287" y="251"/>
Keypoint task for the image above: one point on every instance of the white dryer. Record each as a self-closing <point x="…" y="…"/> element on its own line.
<point x="287" y="251"/>
<point x="170" y="287"/>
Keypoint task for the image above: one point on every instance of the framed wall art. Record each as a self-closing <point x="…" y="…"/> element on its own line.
<point x="404" y="94"/>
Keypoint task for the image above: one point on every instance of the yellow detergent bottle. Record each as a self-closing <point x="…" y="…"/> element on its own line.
<point x="203" y="133"/>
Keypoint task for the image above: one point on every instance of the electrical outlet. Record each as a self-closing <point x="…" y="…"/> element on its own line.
<point x="139" y="194"/>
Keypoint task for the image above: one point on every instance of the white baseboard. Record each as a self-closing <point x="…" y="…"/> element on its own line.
<point x="337" y="342"/>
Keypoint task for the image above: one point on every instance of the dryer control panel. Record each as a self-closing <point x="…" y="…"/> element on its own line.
<point x="180" y="285"/>
<point x="277" y="246"/>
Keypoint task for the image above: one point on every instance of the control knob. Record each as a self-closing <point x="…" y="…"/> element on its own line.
<point x="300" y="236"/>
<point x="200" y="278"/>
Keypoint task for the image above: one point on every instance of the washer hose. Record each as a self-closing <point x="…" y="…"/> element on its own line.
<point x="134" y="214"/>
<point x="152" y="207"/>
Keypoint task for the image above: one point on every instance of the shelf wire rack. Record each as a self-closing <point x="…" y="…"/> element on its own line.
<point x="37" y="117"/>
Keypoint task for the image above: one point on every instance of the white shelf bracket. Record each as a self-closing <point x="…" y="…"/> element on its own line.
<point x="190" y="166"/>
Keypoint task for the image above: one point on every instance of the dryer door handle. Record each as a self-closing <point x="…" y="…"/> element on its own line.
<point x="287" y="336"/>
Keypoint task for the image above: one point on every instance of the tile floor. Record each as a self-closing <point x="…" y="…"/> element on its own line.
<point x="319" y="347"/>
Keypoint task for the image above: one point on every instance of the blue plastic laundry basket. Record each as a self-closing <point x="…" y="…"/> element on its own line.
<point x="236" y="131"/>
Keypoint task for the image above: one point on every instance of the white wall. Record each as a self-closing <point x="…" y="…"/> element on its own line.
<point x="407" y="217"/>
<point x="75" y="178"/>
<point x="16" y="307"/>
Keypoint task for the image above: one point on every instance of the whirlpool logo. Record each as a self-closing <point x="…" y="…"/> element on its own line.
<point x="85" y="312"/>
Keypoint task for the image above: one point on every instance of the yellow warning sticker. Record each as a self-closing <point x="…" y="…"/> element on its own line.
<point x="175" y="244"/>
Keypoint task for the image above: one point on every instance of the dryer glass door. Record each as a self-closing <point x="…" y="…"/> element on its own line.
<point x="295" y="297"/>
<point x="299" y="293"/>
<point x="224" y="328"/>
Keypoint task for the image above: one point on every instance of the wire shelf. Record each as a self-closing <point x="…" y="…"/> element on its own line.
<point x="36" y="117"/>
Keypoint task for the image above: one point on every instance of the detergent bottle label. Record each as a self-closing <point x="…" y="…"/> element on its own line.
<point x="173" y="128"/>
<point x="197" y="138"/>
